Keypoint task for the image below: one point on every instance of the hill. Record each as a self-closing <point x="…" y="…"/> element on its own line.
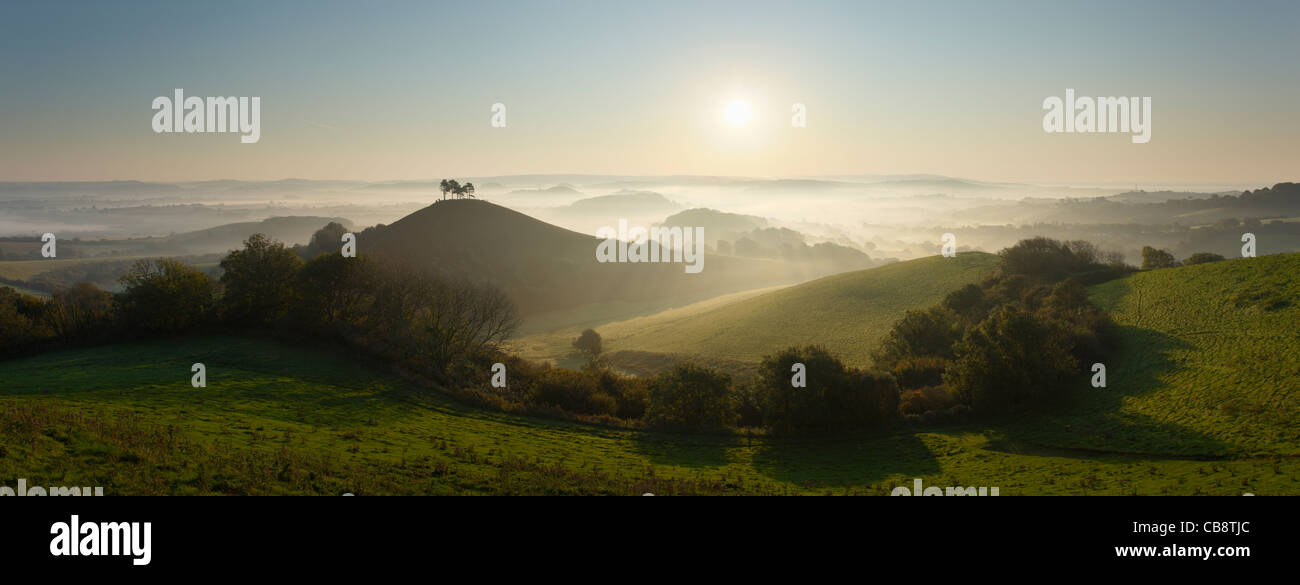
<point x="848" y="313"/>
<point x="1207" y="364"/>
<point x="623" y="204"/>
<point x="718" y="225"/>
<point x="290" y="230"/>
<point x="546" y="269"/>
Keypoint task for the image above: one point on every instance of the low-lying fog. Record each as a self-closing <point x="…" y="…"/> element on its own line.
<point x="886" y="217"/>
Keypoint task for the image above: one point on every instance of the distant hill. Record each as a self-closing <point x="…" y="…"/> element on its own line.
<point x="717" y="224"/>
<point x="1162" y="196"/>
<point x="623" y="204"/>
<point x="848" y="313"/>
<point x="937" y="184"/>
<point x="545" y="268"/>
<point x="290" y="230"/>
<point x="556" y="190"/>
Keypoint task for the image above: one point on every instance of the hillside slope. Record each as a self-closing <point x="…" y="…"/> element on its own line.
<point x="1207" y="365"/>
<point x="848" y="313"/>
<point x="544" y="268"/>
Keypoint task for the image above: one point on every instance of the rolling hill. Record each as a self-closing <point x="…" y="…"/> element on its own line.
<point x="552" y="273"/>
<point x="1207" y="365"/>
<point x="290" y="230"/>
<point x="848" y="313"/>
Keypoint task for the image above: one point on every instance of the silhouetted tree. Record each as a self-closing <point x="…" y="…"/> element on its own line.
<point x="259" y="280"/>
<point x="690" y="396"/>
<point x="326" y="239"/>
<point x="1153" y="258"/>
<point x="164" y="295"/>
<point x="1202" y="258"/>
<point x="449" y="186"/>
<point x="588" y="343"/>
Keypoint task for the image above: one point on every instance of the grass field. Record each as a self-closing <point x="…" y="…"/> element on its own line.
<point x="279" y="419"/>
<point x="1208" y="363"/>
<point x="848" y="313"/>
<point x="27" y="269"/>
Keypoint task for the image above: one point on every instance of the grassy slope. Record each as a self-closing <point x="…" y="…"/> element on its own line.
<point x="1208" y="364"/>
<point x="848" y="313"/>
<point x="281" y="419"/>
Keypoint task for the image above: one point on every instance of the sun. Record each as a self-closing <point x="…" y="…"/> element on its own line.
<point x="737" y="113"/>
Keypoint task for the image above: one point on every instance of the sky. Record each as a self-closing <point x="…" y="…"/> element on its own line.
<point x="404" y="90"/>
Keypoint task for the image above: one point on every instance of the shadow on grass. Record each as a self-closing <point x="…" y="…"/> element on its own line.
<point x="685" y="450"/>
<point x="858" y="462"/>
<point x="1090" y="422"/>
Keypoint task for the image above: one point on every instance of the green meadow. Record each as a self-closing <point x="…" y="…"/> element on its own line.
<point x="1200" y="399"/>
<point x="847" y="313"/>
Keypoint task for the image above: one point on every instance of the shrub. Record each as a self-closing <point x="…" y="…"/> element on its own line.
<point x="927" y="399"/>
<point x="1009" y="360"/>
<point x="588" y="343"/>
<point x="259" y="281"/>
<point x="166" y="296"/>
<point x="965" y="301"/>
<point x="928" y="333"/>
<point x="690" y="396"/>
<point x="1153" y="258"/>
<point x="575" y="392"/>
<point x="917" y="372"/>
<point x="835" y="397"/>
<point x="327" y="240"/>
<point x="1202" y="258"/>
<point x="333" y="292"/>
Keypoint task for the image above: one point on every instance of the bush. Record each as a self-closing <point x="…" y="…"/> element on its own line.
<point x="1202" y="258"/>
<point x="1153" y="258"/>
<point x="574" y="392"/>
<point x="588" y="343"/>
<point x="1051" y="260"/>
<point x="20" y="322"/>
<point x="928" y="333"/>
<point x="1010" y="359"/>
<point x="927" y="399"/>
<point x="81" y="312"/>
<point x="917" y="372"/>
<point x="965" y="301"/>
<point x="630" y="395"/>
<point x="835" y="397"/>
<point x="690" y="396"/>
<point x="166" y="296"/>
<point x="327" y="240"/>
<point x="259" y="281"/>
<point x="333" y="292"/>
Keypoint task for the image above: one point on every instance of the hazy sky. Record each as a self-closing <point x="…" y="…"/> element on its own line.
<point x="396" y="90"/>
